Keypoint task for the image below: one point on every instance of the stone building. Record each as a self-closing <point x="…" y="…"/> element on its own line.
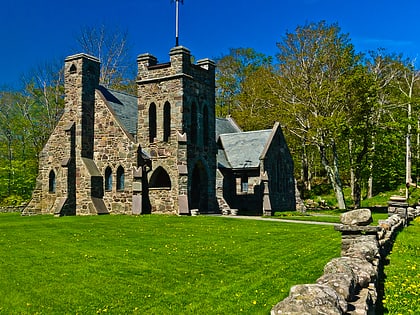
<point x="255" y="169"/>
<point x="152" y="153"/>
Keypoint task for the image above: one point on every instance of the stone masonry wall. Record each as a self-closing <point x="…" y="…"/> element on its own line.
<point x="182" y="85"/>
<point x="278" y="164"/>
<point x="349" y="284"/>
<point x="114" y="148"/>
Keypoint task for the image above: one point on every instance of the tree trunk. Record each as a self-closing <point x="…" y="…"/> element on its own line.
<point x="408" y="179"/>
<point x="333" y="173"/>
<point x="352" y="176"/>
<point x="305" y="170"/>
<point x="370" y="179"/>
<point x="10" y="161"/>
<point x="356" y="171"/>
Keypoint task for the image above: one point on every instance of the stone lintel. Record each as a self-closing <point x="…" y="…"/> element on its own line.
<point x="354" y="229"/>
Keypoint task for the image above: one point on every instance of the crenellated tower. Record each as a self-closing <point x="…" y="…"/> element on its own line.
<point x="176" y="125"/>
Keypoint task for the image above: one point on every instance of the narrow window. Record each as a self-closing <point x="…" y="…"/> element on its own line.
<point x="166" y="122"/>
<point x="244" y="184"/>
<point x="120" y="178"/>
<point x="51" y="182"/>
<point x="160" y="179"/>
<point x="108" y="179"/>
<point x="152" y="123"/>
<point x="194" y="123"/>
<point x="205" y="127"/>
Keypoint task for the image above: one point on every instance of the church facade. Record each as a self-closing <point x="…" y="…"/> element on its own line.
<point x="152" y="153"/>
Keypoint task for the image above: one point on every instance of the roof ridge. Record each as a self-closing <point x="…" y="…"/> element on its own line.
<point x="246" y="132"/>
<point x="117" y="91"/>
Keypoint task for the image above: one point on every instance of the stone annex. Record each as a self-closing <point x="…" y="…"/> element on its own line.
<point x="162" y="151"/>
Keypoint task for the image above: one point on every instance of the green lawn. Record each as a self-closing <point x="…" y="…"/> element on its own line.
<point x="402" y="276"/>
<point x="155" y="264"/>
<point x="331" y="216"/>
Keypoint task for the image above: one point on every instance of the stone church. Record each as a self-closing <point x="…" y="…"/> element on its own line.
<point x="158" y="152"/>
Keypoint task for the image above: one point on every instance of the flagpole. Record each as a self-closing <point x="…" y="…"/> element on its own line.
<point x="176" y="23"/>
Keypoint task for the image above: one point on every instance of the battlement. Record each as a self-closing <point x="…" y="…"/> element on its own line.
<point x="179" y="65"/>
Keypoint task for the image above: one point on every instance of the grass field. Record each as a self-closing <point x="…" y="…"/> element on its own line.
<point x="331" y="216"/>
<point x="402" y="277"/>
<point x="155" y="264"/>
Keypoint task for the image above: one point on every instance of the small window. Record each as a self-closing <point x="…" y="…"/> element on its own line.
<point x="244" y="184"/>
<point x="108" y="179"/>
<point x="51" y="182"/>
<point x="73" y="69"/>
<point x="120" y="178"/>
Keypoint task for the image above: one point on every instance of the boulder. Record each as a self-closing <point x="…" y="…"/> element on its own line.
<point x="311" y="299"/>
<point x="342" y="283"/>
<point x="338" y="265"/>
<point x="358" y="217"/>
<point x="363" y="270"/>
<point x="368" y="250"/>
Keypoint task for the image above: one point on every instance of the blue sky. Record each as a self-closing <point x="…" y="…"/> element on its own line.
<point x="35" y="32"/>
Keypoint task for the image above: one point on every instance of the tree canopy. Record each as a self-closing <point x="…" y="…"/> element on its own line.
<point x="350" y="118"/>
<point x="340" y="109"/>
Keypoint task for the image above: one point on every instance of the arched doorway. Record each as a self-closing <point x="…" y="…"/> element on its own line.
<point x="199" y="194"/>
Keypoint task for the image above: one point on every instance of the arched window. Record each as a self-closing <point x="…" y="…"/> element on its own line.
<point x="194" y="123"/>
<point x="152" y="123"/>
<point x="160" y="179"/>
<point x="205" y="126"/>
<point x="51" y="182"/>
<point x="108" y="179"/>
<point x="166" y="122"/>
<point x="73" y="69"/>
<point x="120" y="178"/>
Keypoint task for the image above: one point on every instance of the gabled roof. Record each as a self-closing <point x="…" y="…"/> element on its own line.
<point x="226" y="125"/>
<point x="243" y="149"/>
<point x="124" y="106"/>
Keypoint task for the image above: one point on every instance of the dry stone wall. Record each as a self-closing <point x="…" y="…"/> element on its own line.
<point x="349" y="284"/>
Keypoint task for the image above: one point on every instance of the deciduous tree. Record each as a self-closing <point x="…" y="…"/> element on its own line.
<point x="314" y="62"/>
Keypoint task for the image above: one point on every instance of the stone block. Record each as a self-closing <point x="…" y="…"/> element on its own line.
<point x="311" y="299"/>
<point x="358" y="217"/>
<point x="342" y="283"/>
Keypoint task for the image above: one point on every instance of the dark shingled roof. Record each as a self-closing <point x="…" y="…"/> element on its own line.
<point x="243" y="149"/>
<point x="226" y="125"/>
<point x="125" y="107"/>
